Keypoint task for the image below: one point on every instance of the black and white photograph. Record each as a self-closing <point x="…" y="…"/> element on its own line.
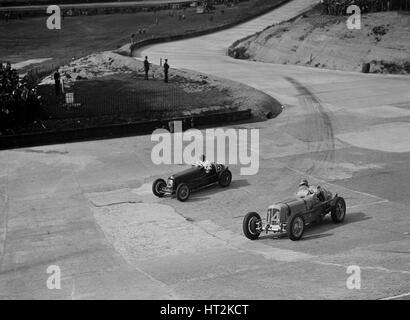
<point x="221" y="151"/>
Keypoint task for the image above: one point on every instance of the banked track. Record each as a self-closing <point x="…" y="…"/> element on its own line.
<point x="324" y="127"/>
<point x="88" y="208"/>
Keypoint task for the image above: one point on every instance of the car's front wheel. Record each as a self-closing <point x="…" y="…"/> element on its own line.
<point x="158" y="187"/>
<point x="225" y="178"/>
<point x="338" y="212"/>
<point x="295" y="227"/>
<point x="183" y="192"/>
<point x="251" y="224"/>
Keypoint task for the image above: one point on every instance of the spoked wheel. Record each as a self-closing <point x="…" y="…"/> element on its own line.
<point x="158" y="187"/>
<point x="338" y="212"/>
<point x="183" y="192"/>
<point x="295" y="227"/>
<point x="250" y="225"/>
<point x="225" y="178"/>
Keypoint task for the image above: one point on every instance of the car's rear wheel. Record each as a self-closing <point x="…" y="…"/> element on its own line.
<point x="295" y="227"/>
<point x="158" y="187"/>
<point x="225" y="178"/>
<point x="338" y="212"/>
<point x="183" y="192"/>
<point x="250" y="225"/>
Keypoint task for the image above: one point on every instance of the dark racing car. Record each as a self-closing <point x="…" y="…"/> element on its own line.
<point x="194" y="178"/>
<point x="291" y="216"/>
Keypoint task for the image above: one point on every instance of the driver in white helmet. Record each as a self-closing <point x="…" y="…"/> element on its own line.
<point x="207" y="165"/>
<point x="318" y="193"/>
<point x="305" y="190"/>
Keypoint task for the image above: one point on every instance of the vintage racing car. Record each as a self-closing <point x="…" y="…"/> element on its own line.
<point x="291" y="216"/>
<point x="194" y="178"/>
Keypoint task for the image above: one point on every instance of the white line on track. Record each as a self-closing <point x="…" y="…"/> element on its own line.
<point x="396" y="297"/>
<point x="368" y="204"/>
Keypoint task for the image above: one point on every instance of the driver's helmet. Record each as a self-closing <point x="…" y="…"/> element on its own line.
<point x="304" y="182"/>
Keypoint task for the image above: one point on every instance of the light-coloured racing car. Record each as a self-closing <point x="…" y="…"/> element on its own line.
<point x="293" y="215"/>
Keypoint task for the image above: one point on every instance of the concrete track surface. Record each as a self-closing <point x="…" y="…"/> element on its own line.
<point x="88" y="208"/>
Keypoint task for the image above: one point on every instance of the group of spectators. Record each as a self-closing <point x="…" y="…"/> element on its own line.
<point x="339" y="7"/>
<point x="147" y="66"/>
<point x="19" y="100"/>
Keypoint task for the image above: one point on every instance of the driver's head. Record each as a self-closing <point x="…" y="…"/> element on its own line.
<point x="202" y="158"/>
<point x="304" y="182"/>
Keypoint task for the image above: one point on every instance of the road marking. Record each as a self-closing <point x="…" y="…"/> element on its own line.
<point x="396" y="297"/>
<point x="368" y="204"/>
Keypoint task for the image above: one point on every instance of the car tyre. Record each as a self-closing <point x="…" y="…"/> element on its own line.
<point x="295" y="227"/>
<point x="157" y="187"/>
<point x="338" y="212"/>
<point x="225" y="178"/>
<point x="249" y="225"/>
<point x="183" y="192"/>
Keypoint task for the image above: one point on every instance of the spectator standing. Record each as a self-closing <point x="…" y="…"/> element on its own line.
<point x="57" y="83"/>
<point x="146" y="67"/>
<point x="166" y="68"/>
<point x="8" y="68"/>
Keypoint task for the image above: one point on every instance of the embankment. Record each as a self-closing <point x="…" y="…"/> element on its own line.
<point x="324" y="41"/>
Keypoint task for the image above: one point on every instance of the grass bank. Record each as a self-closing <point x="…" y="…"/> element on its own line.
<point x="323" y="41"/>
